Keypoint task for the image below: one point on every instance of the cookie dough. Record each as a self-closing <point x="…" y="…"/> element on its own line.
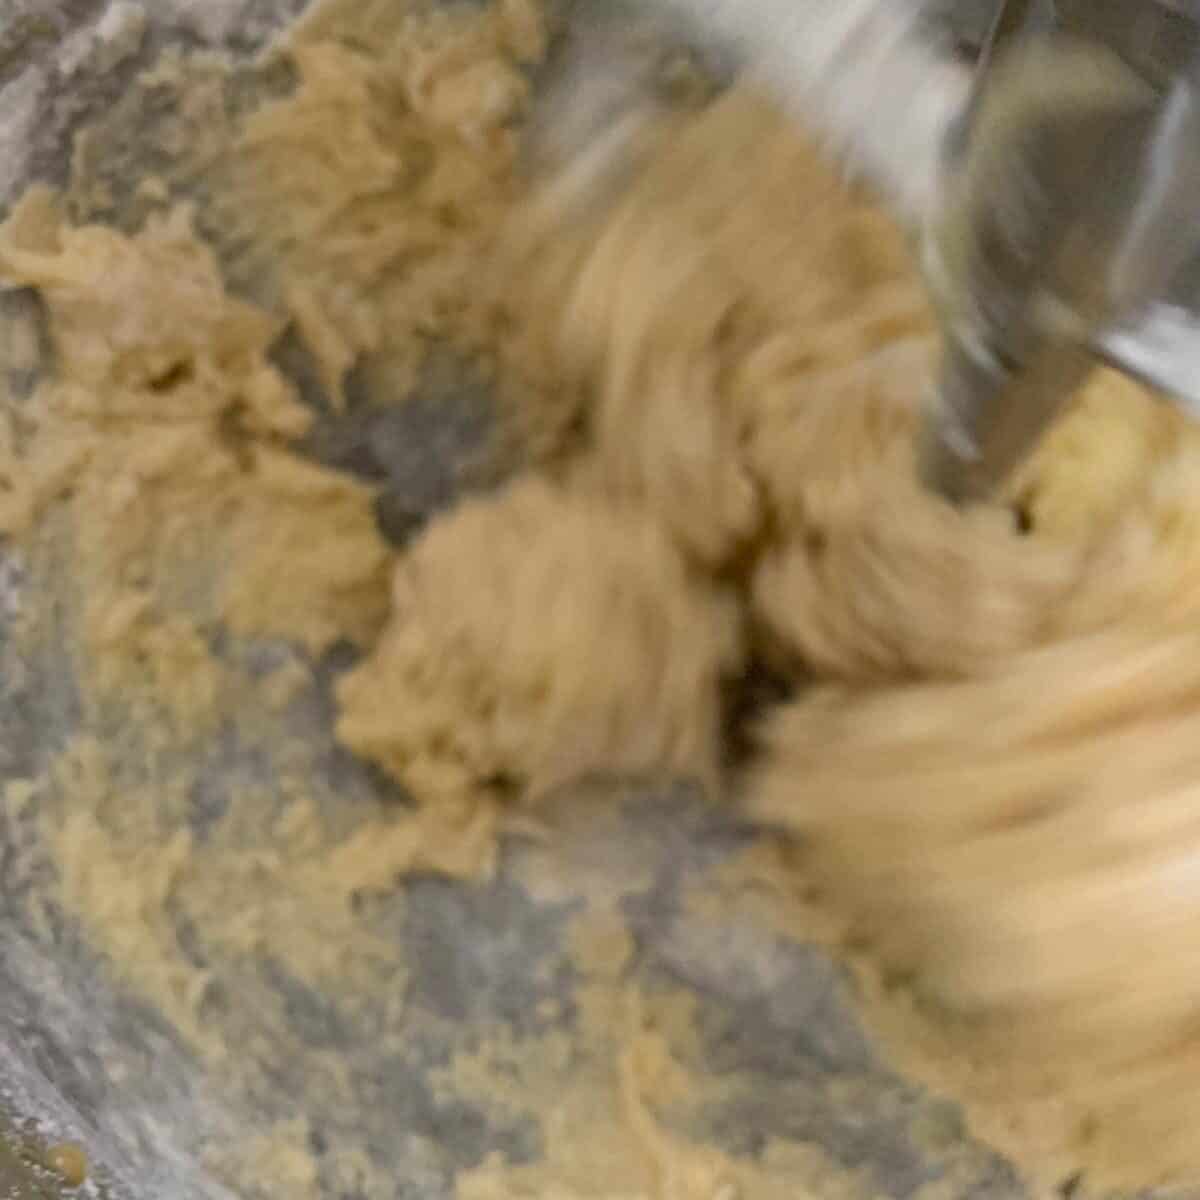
<point x="710" y="358"/>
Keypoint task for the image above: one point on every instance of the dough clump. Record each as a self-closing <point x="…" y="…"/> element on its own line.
<point x="537" y="637"/>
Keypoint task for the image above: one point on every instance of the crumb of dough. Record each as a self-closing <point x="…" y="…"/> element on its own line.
<point x="435" y="839"/>
<point x="602" y="944"/>
<point x="523" y="29"/>
<point x="283" y="684"/>
<point x="68" y="1161"/>
<point x="537" y="637"/>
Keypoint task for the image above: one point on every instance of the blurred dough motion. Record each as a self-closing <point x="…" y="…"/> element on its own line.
<point x="998" y="770"/>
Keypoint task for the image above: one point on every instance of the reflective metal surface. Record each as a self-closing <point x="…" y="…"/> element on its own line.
<point x="1093" y="253"/>
<point x="1068" y="211"/>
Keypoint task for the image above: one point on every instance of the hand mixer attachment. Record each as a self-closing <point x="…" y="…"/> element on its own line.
<point x="1053" y="188"/>
<point x="1067" y="210"/>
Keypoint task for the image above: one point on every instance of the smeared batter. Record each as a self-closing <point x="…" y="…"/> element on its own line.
<point x="714" y="387"/>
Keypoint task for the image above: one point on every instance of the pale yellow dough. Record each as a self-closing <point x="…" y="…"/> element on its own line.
<point x="537" y="637"/>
